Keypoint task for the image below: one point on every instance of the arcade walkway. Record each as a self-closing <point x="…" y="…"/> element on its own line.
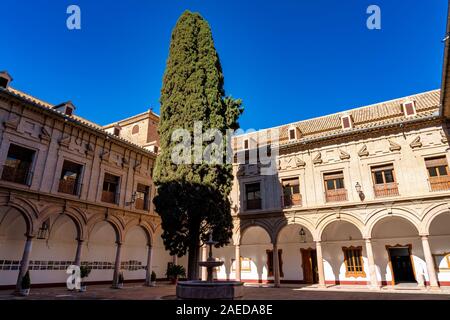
<point x="289" y="292"/>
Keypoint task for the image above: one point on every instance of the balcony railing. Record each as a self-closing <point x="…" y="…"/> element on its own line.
<point x="253" y="204"/>
<point x="336" y="195"/>
<point x="69" y="186"/>
<point x="110" y="197"/>
<point x="291" y="200"/>
<point x="439" y="183"/>
<point x="386" y="190"/>
<point x="17" y="175"/>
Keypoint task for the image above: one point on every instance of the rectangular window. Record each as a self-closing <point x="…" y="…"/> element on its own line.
<point x="142" y="197"/>
<point x="246" y="144"/>
<point x="17" y="167"/>
<point x="334" y="186"/>
<point x="270" y="272"/>
<point x="70" y="178"/>
<point x="384" y="181"/>
<point x="291" y="134"/>
<point x="253" y="196"/>
<point x="409" y="108"/>
<point x="291" y="192"/>
<point x="438" y="174"/>
<point x="354" y="266"/>
<point x="110" y="191"/>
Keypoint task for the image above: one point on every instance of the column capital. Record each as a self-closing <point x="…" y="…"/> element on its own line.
<point x="368" y="239"/>
<point x="424" y="236"/>
<point x="119" y="243"/>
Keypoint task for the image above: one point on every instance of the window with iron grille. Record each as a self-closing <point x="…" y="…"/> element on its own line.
<point x="438" y="174"/>
<point x="291" y="192"/>
<point x="354" y="266"/>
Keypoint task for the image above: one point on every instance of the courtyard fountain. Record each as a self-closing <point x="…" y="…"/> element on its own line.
<point x="210" y="289"/>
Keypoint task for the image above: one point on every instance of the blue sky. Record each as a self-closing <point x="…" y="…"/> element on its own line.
<point x="287" y="59"/>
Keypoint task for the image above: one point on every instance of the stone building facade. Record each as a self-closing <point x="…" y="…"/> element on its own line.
<point x="358" y="197"/>
<point x="72" y="192"/>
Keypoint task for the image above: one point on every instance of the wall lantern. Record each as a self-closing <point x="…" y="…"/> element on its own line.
<point x="302" y="235"/>
<point x="359" y="190"/>
<point x="43" y="230"/>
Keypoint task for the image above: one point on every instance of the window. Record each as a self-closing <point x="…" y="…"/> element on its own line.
<point x="135" y="129"/>
<point x="291" y="192"/>
<point x="334" y="186"/>
<point x="292" y="134"/>
<point x="270" y="262"/>
<point x="253" y="196"/>
<point x="246" y="144"/>
<point x="346" y="122"/>
<point x="142" y="196"/>
<point x="354" y="266"/>
<point x="3" y="82"/>
<point x="17" y="166"/>
<point x="438" y="174"/>
<point x="70" y="178"/>
<point x="409" y="108"/>
<point x="110" y="191"/>
<point x="384" y="181"/>
<point x="116" y="131"/>
<point x="69" y="111"/>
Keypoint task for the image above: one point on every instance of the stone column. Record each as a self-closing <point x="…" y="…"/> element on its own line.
<point x="372" y="267"/>
<point x="117" y="265"/>
<point x="320" y="268"/>
<point x="24" y="263"/>
<point x="430" y="263"/>
<point x="276" y="265"/>
<point x="237" y="268"/>
<point x="204" y="272"/>
<point x="77" y="260"/>
<point x="148" y="271"/>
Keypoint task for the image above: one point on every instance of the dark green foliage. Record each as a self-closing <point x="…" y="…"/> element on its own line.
<point x="84" y="272"/>
<point x="193" y="197"/>
<point x="26" y="282"/>
<point x="175" y="271"/>
<point x="153" y="276"/>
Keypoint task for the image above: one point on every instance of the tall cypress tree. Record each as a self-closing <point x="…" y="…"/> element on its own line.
<point x="192" y="199"/>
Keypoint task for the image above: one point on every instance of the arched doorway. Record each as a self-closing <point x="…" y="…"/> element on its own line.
<point x="398" y="251"/>
<point x="343" y="253"/>
<point x="439" y="239"/>
<point x="99" y="251"/>
<point x="299" y="259"/>
<point x="13" y="228"/>
<point x="134" y="253"/>
<point x="53" y="251"/>
<point x="256" y="256"/>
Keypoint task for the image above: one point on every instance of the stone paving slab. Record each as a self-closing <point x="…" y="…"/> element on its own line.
<point x="251" y="292"/>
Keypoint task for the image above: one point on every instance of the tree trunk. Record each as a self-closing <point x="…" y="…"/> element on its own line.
<point x="193" y="257"/>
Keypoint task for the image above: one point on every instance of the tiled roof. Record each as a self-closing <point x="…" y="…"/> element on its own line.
<point x="383" y="113"/>
<point x="76" y="118"/>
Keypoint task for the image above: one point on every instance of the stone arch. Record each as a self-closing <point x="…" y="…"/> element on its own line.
<point x="26" y="208"/>
<point x="77" y="216"/>
<point x="145" y="227"/>
<point x="256" y="223"/>
<point x="112" y="220"/>
<point x="394" y="212"/>
<point x="329" y="219"/>
<point x="430" y="214"/>
<point x="294" y="221"/>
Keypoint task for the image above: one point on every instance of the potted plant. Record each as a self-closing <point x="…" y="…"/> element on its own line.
<point x="120" y="281"/>
<point x="84" y="273"/>
<point x="153" y="279"/>
<point x="174" y="271"/>
<point x="25" y="284"/>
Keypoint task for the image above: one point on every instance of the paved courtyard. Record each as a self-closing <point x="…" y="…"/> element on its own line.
<point x="165" y="291"/>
